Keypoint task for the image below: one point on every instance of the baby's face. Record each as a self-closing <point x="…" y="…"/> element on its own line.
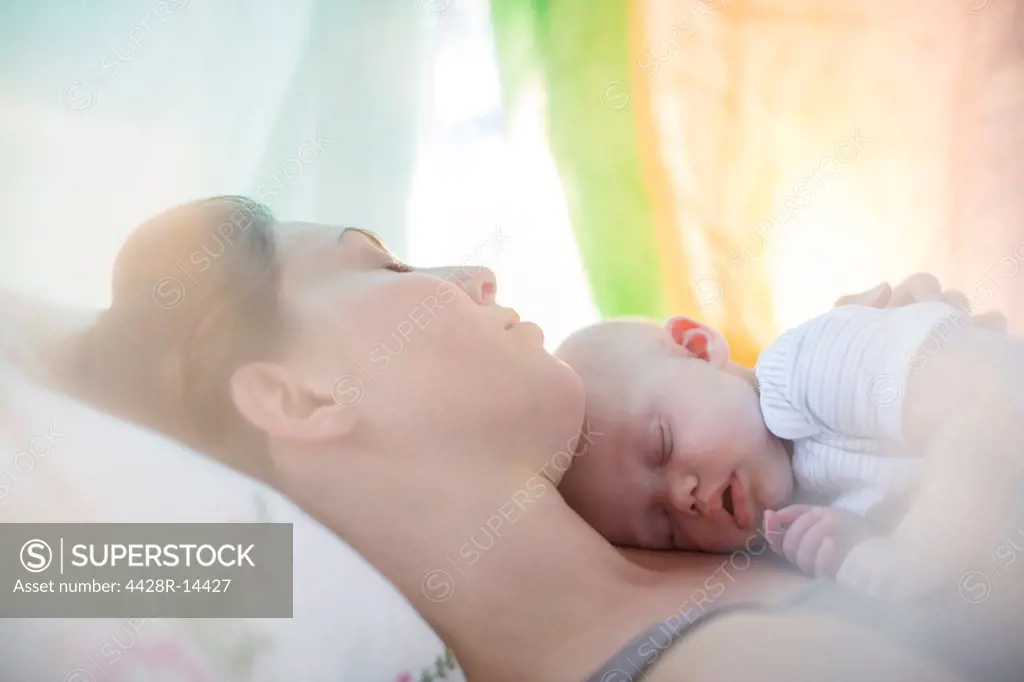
<point x="678" y="455"/>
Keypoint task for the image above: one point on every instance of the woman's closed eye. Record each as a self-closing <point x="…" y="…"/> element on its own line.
<point x="377" y="245"/>
<point x="398" y="266"/>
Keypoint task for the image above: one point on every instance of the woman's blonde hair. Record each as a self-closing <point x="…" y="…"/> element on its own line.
<point x="195" y="296"/>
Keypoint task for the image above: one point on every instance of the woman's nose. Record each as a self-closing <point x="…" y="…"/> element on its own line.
<point x="479" y="283"/>
<point x="682" y="492"/>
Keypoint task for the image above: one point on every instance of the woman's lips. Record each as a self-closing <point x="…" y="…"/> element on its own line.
<point x="532" y="330"/>
<point x="512" y="318"/>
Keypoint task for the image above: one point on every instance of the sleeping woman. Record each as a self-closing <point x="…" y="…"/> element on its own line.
<point x="279" y="356"/>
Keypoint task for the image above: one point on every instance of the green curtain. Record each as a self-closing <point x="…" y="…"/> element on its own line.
<point x="577" y="53"/>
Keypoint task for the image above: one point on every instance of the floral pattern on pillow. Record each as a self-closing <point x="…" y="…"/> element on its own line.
<point x="133" y="650"/>
<point x="85" y="466"/>
<point x="443" y="665"/>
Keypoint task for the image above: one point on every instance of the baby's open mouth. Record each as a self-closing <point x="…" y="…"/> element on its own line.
<point x="736" y="501"/>
<point x="727" y="500"/>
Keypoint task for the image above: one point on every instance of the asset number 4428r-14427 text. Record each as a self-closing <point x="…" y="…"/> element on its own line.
<point x="159" y="585"/>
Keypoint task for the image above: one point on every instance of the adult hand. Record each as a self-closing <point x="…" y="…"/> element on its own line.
<point x="918" y="288"/>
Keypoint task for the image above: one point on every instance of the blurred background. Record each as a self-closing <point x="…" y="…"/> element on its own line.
<point x="743" y="161"/>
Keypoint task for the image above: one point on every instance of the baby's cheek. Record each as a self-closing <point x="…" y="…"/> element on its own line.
<point x="722" y="542"/>
<point x="779" y="491"/>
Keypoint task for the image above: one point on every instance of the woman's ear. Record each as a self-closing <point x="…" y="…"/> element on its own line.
<point x="275" y="402"/>
<point x="698" y="340"/>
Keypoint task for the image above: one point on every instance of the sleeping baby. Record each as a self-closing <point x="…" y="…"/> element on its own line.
<point x="863" y="445"/>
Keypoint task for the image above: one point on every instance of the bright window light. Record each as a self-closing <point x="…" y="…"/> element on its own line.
<point x="486" y="191"/>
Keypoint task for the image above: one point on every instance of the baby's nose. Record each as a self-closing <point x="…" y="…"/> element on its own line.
<point x="682" y="492"/>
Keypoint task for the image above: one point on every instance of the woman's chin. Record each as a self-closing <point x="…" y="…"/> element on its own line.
<point x="567" y="390"/>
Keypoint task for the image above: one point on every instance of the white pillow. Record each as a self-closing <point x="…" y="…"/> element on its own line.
<point x="33" y="327"/>
<point x="62" y="461"/>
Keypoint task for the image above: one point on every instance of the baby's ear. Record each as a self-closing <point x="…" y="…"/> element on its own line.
<point x="697" y="339"/>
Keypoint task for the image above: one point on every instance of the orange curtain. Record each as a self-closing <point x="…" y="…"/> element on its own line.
<point x="746" y="162"/>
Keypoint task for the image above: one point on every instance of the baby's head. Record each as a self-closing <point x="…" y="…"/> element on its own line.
<point x="678" y="455"/>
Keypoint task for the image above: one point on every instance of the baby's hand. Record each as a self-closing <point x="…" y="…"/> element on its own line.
<point x="815" y="539"/>
<point x="886" y="567"/>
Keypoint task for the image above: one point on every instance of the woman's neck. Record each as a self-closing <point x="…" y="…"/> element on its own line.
<point x="496" y="562"/>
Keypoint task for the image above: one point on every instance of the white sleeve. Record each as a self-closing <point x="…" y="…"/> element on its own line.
<point x="846" y="371"/>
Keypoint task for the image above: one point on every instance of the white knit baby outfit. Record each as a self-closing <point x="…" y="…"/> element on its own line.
<point x="835" y="387"/>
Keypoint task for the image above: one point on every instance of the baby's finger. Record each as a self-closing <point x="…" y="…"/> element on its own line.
<point x="876" y="297"/>
<point x="957" y="299"/>
<point x="993" y="320"/>
<point x="788" y="515"/>
<point x="827" y="563"/>
<point x="795" y="533"/>
<point x="773" y="531"/>
<point x="811" y="543"/>
<point x="921" y="286"/>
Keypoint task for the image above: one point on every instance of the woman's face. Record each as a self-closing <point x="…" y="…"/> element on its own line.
<point x="402" y="355"/>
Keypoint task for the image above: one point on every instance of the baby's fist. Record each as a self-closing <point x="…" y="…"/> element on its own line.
<point x="815" y="539"/>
